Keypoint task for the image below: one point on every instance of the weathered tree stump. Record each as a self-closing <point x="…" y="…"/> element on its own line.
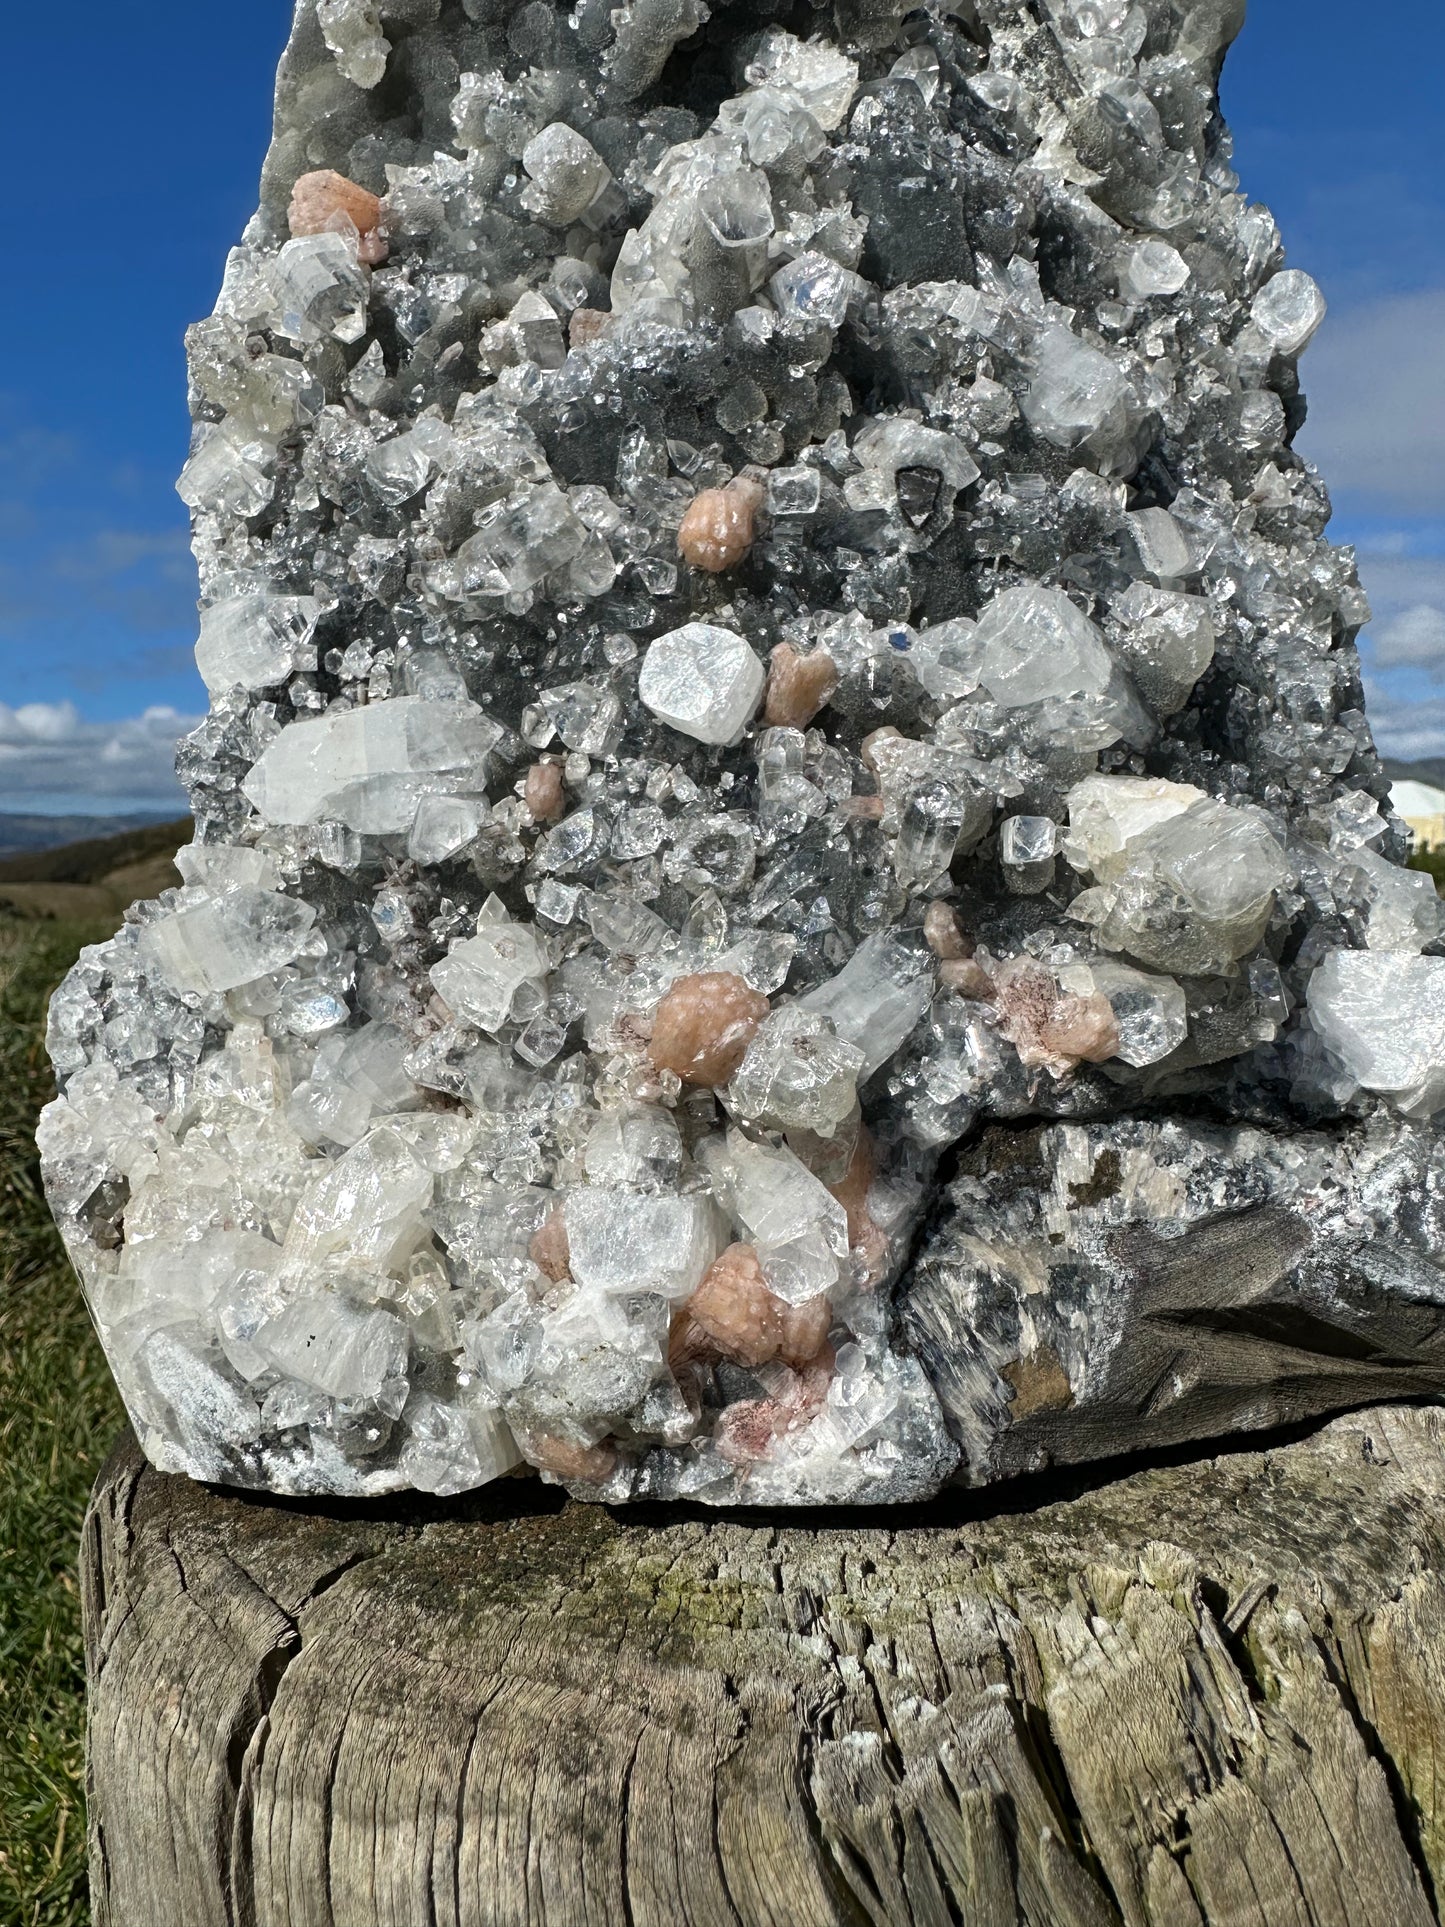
<point x="1206" y="1693"/>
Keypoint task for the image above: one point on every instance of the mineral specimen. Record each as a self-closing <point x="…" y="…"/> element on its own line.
<point x="790" y="895"/>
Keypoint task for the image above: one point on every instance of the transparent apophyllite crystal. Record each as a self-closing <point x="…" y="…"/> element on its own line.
<point x="227" y="940"/>
<point x="1167" y="642"/>
<point x="566" y="174"/>
<point x="444" y="826"/>
<point x="256" y="640"/>
<point x="875" y="1001"/>
<point x="370" y="768"/>
<point x="355" y="1077"/>
<point x="353" y="32"/>
<point x="1161" y="548"/>
<point x="229" y="472"/>
<point x="702" y="680"/>
<point x="890" y="450"/>
<point x="1185" y="883"/>
<point x="1080" y="400"/>
<point x="619" y="1241"/>
<point x="818" y="75"/>
<point x="1151" y="1011"/>
<point x="336" y="1346"/>
<point x="798" y="1074"/>
<point x="1026" y="840"/>
<point x="402" y="467"/>
<point x="794" y="491"/>
<point x="482" y="978"/>
<point x="797" y="1227"/>
<point x="1106" y="812"/>
<point x="1027" y="846"/>
<point x="586" y="715"/>
<point x="1035" y="643"/>
<point x="947" y="658"/>
<point x="1402" y="908"/>
<point x="1153" y="268"/>
<point x="455" y="1445"/>
<point x="640" y="1146"/>
<point x="321" y="290"/>
<point x="1383" y="1017"/>
<point x="812" y="288"/>
<point x="1288" y="310"/>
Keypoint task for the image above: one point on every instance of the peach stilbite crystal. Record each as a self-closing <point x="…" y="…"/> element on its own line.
<point x="864" y="1236"/>
<point x="743" y="1320"/>
<point x="967" y="977"/>
<point x="704" y="1025"/>
<point x="798" y="686"/>
<point x="734" y="1307"/>
<point x="1048" y="1026"/>
<point x="319" y="197"/>
<point x="563" y="1459"/>
<point x="586" y="325"/>
<point x="549" y="1250"/>
<point x="543" y="793"/>
<point x="720" y="526"/>
<point x="944" y="933"/>
<point x="805" y="1331"/>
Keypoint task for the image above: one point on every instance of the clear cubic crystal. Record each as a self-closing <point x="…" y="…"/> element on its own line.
<point x="1035" y="643"/>
<point x="702" y="680"/>
<point x="481" y="977"/>
<point x="256" y="641"/>
<point x="1288" y="310"/>
<point x="798" y="1074"/>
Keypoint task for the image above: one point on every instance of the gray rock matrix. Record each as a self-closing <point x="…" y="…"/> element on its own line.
<point x="791" y="898"/>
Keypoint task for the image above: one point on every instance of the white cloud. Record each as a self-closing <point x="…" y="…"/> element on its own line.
<point x="1407" y="595"/>
<point x="1415" y="638"/>
<point x="1375" y="379"/>
<point x="51" y="757"/>
<point x="1404" y="727"/>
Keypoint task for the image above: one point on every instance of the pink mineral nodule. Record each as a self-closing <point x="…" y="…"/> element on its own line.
<point x="720" y="526"/>
<point x="968" y="977"/>
<point x="588" y="325"/>
<point x="745" y="1321"/>
<point x="704" y="1025"/>
<point x="566" y="1459"/>
<point x="543" y="793"/>
<point x="944" y="933"/>
<point x="864" y="1235"/>
<point x="1048" y="1026"/>
<point x="753" y="1429"/>
<point x="320" y="197"/>
<point x="798" y="686"/>
<point x="549" y="1250"/>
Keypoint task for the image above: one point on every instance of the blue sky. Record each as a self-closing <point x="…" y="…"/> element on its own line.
<point x="132" y="145"/>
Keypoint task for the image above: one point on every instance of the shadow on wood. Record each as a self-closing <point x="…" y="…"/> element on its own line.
<point x="1204" y="1693"/>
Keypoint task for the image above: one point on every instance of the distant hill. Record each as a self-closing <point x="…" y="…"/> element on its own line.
<point x="97" y="877"/>
<point x="21" y="834"/>
<point x="1431" y="770"/>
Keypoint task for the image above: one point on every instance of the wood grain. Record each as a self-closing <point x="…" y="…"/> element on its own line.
<point x="1202" y="1694"/>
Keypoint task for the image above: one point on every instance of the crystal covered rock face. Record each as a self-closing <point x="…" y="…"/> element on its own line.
<point x="789" y="872"/>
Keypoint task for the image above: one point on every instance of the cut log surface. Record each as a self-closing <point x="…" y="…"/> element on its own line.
<point x="1203" y="1693"/>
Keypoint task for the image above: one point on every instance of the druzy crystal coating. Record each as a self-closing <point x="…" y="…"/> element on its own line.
<point x="762" y="619"/>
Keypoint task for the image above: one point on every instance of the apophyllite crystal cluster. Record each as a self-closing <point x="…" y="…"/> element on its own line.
<point x="791" y="894"/>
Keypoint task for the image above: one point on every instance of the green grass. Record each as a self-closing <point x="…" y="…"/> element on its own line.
<point x="58" y="1415"/>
